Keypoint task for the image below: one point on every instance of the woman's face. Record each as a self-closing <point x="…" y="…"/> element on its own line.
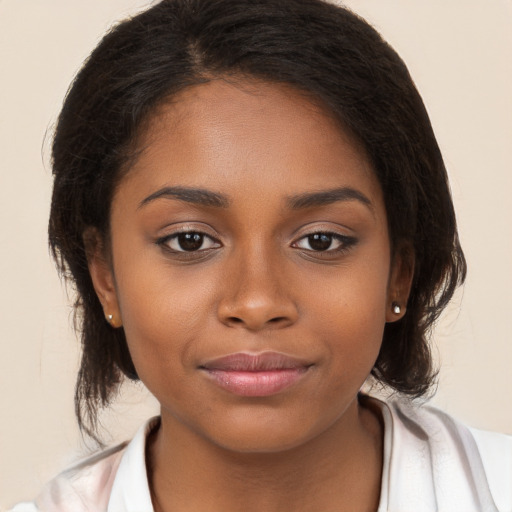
<point x="251" y="265"/>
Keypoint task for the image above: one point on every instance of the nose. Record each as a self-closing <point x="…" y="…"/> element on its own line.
<point x="256" y="295"/>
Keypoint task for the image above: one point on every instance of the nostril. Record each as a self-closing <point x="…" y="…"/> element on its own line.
<point x="256" y="313"/>
<point x="234" y="320"/>
<point x="277" y="319"/>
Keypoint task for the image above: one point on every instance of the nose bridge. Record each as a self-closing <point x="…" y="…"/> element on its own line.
<point x="256" y="295"/>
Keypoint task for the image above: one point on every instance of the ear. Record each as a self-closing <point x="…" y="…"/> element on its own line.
<point x="400" y="281"/>
<point x="100" y="269"/>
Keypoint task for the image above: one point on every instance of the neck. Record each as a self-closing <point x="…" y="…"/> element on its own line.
<point x="339" y="470"/>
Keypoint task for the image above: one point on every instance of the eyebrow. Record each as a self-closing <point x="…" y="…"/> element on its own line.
<point x="189" y="195"/>
<point x="327" y="197"/>
<point x="205" y="197"/>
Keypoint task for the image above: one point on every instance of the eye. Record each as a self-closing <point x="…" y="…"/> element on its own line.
<point x="325" y="242"/>
<point x="188" y="241"/>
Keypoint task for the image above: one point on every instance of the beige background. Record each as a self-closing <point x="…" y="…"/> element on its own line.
<point x="460" y="54"/>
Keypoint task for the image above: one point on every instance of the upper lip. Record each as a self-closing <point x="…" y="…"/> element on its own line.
<point x="263" y="361"/>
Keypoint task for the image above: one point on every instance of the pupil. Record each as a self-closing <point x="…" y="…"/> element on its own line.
<point x="320" y="241"/>
<point x="190" y="241"/>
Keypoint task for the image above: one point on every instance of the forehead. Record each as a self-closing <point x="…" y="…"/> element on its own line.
<point x="248" y="135"/>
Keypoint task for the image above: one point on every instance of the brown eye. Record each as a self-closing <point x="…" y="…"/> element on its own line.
<point x="325" y="242"/>
<point x="189" y="241"/>
<point x="320" y="241"/>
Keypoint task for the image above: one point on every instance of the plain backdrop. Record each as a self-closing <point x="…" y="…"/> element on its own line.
<point x="460" y="54"/>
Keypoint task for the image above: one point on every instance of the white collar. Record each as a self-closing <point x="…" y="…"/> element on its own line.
<point x="431" y="462"/>
<point x="130" y="491"/>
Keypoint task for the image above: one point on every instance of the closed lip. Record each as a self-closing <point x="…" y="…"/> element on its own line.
<point x="255" y="375"/>
<point x="263" y="361"/>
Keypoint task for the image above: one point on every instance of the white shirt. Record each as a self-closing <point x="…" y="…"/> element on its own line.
<point x="431" y="463"/>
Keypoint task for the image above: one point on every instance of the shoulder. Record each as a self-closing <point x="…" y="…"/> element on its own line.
<point x="496" y="453"/>
<point x="456" y="464"/>
<point x="83" y="487"/>
<point x="114" y="479"/>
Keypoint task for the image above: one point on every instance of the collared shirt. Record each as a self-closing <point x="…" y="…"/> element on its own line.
<point x="431" y="463"/>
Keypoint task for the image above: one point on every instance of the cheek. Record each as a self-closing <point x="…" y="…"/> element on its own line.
<point x="163" y="311"/>
<point x="350" y="312"/>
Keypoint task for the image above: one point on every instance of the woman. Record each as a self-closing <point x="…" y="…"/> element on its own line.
<point x="252" y="205"/>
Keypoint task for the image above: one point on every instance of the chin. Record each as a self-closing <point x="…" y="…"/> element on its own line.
<point x="253" y="435"/>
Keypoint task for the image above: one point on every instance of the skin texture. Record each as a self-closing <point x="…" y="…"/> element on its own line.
<point x="255" y="284"/>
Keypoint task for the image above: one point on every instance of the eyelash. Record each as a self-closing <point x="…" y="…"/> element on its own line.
<point x="346" y="242"/>
<point x="165" y="241"/>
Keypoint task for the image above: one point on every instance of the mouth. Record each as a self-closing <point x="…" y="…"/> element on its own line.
<point x="253" y="375"/>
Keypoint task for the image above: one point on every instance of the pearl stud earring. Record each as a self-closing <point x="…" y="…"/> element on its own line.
<point x="396" y="308"/>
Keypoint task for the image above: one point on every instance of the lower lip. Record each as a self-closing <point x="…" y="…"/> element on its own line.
<point x="264" y="383"/>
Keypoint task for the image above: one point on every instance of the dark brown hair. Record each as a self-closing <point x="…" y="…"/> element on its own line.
<point x="317" y="47"/>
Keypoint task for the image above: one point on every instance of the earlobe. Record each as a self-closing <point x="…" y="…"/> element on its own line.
<point x="102" y="275"/>
<point x="400" y="281"/>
